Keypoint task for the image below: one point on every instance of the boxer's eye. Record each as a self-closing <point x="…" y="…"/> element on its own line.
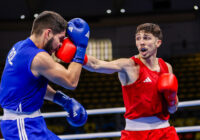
<point x="138" y="38"/>
<point x="147" y="38"/>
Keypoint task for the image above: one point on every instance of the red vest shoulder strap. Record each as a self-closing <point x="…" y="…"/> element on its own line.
<point x="136" y="60"/>
<point x="163" y="65"/>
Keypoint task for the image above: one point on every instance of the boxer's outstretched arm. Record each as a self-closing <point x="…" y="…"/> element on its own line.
<point x="96" y="65"/>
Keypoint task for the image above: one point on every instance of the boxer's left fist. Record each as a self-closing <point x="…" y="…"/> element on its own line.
<point x="168" y="86"/>
<point x="78" y="31"/>
<point x="77" y="115"/>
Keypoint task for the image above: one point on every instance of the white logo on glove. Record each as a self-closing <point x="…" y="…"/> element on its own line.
<point x="74" y="114"/>
<point x="70" y="29"/>
<point x="88" y="34"/>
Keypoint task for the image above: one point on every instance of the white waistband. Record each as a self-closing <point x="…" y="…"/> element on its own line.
<point x="146" y="123"/>
<point x="12" y="115"/>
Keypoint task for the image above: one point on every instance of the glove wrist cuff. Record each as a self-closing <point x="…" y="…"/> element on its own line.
<point x="80" y="55"/>
<point x="60" y="98"/>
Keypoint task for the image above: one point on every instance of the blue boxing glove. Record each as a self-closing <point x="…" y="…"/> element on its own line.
<point x="78" y="31"/>
<point x="77" y="115"/>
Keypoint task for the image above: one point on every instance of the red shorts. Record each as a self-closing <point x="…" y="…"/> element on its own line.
<point x="168" y="133"/>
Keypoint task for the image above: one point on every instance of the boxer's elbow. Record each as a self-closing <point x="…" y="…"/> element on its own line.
<point x="67" y="82"/>
<point x="72" y="84"/>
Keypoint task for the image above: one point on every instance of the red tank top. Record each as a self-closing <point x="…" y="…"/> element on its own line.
<point x="141" y="98"/>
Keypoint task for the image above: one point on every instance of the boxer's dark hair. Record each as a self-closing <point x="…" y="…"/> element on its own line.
<point x="48" y="20"/>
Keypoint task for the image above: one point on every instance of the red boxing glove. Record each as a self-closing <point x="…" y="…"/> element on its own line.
<point x="67" y="51"/>
<point x="168" y="85"/>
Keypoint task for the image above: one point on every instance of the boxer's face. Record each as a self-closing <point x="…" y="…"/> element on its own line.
<point x="55" y="42"/>
<point x="147" y="44"/>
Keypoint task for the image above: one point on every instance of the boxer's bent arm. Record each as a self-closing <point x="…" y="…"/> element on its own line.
<point x="99" y="66"/>
<point x="44" y="65"/>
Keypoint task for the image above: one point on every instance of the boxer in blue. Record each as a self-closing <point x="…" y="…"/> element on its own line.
<point x="28" y="68"/>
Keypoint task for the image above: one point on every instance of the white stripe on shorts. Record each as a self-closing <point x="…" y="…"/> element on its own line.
<point x="21" y="129"/>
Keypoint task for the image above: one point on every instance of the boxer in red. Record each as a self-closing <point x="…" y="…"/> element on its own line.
<point x="149" y="87"/>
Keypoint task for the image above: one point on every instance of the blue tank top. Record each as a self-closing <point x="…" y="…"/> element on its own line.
<point x="20" y="90"/>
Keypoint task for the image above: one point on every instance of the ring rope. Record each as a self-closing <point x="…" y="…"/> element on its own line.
<point x="115" y="110"/>
<point x="112" y="110"/>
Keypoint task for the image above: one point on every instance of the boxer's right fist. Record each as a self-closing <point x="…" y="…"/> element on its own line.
<point x="77" y="115"/>
<point x="168" y="85"/>
<point x="78" y="31"/>
<point x="67" y="51"/>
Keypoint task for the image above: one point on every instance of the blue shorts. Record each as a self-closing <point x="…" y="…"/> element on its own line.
<point x="27" y="129"/>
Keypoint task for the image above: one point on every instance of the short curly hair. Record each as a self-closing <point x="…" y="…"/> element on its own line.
<point x="150" y="28"/>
